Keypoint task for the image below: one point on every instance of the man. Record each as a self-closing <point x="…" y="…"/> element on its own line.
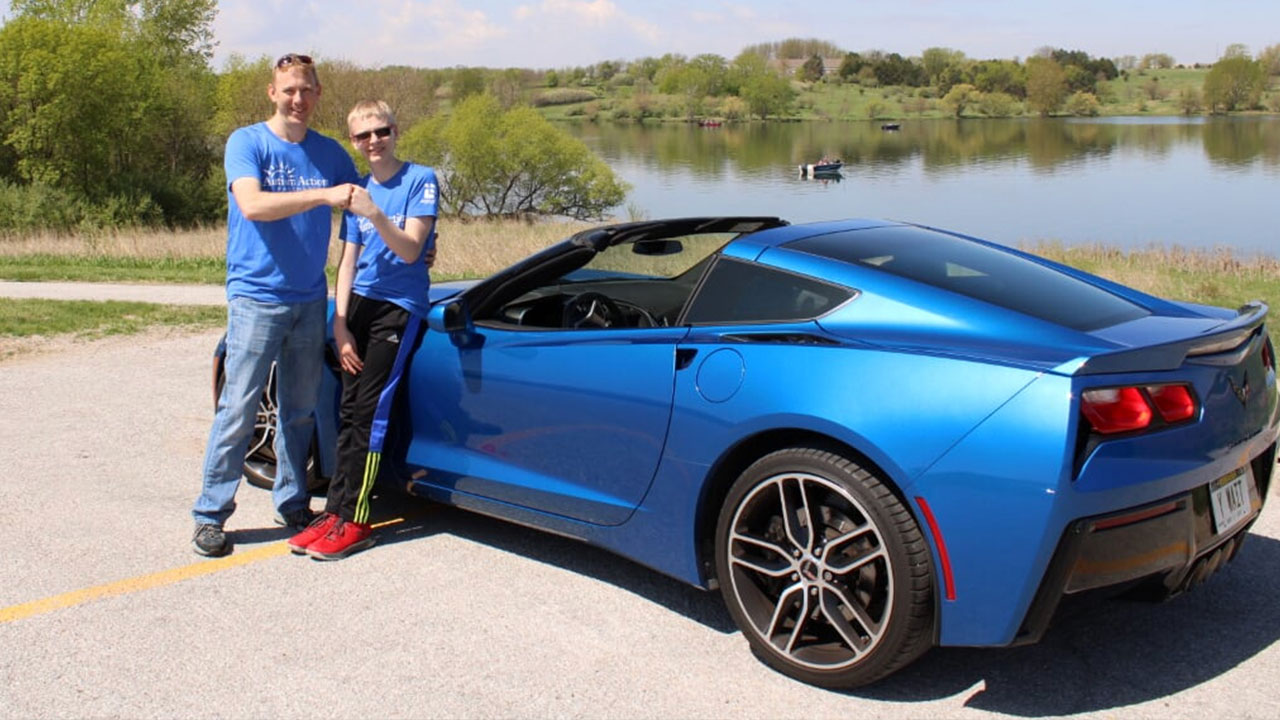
<point x="381" y="298"/>
<point x="283" y="179"/>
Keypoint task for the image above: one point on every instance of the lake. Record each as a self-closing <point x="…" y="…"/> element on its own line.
<point x="1128" y="182"/>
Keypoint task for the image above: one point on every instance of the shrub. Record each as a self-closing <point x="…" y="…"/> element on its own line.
<point x="562" y="96"/>
<point x="1083" y="104"/>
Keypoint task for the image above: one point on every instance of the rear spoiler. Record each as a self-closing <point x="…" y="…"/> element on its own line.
<point x="1169" y="356"/>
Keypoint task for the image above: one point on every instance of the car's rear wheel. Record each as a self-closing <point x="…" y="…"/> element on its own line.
<point x="260" y="459"/>
<point x="823" y="569"/>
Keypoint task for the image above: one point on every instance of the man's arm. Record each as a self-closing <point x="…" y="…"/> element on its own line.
<point x="258" y="205"/>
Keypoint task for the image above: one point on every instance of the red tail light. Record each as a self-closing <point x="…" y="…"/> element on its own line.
<point x="1116" y="410"/>
<point x="1125" y="409"/>
<point x="1173" y="401"/>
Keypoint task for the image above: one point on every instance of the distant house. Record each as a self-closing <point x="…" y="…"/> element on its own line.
<point x="789" y="66"/>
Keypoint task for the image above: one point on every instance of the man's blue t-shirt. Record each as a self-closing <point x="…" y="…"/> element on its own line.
<point x="282" y="260"/>
<point x="380" y="273"/>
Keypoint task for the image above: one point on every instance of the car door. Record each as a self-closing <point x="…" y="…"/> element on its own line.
<point x="564" y="421"/>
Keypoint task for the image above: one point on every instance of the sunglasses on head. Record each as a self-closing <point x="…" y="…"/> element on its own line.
<point x="292" y="59"/>
<point x="381" y="132"/>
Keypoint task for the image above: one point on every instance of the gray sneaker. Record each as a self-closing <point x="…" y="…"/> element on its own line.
<point x="297" y="520"/>
<point x="210" y="541"/>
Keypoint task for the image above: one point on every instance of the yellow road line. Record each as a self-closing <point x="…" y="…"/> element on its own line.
<point x="146" y="582"/>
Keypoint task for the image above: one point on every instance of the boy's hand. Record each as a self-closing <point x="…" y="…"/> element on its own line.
<point x="348" y="358"/>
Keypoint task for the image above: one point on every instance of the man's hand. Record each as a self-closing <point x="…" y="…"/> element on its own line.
<point x="339" y="196"/>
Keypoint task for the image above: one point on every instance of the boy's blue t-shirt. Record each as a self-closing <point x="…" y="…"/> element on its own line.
<point x="380" y="273"/>
<point x="282" y="260"/>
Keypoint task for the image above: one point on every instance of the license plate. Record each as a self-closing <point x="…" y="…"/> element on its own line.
<point x="1230" y="497"/>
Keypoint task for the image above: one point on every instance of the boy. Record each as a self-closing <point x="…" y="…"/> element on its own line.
<point x="380" y="301"/>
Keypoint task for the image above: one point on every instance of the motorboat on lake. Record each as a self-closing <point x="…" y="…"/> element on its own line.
<point x="823" y="167"/>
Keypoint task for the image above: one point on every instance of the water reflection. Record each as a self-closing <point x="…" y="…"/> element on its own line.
<point x="1118" y="181"/>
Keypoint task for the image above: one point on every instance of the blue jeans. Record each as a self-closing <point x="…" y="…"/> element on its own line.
<point x="257" y="334"/>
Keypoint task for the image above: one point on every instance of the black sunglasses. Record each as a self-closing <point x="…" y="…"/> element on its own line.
<point x="381" y="132"/>
<point x="292" y="59"/>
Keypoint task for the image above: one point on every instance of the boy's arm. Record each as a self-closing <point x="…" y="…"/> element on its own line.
<point x="348" y="357"/>
<point x="405" y="243"/>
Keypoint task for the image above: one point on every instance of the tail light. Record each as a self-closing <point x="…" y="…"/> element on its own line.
<point x="1127" y="409"/>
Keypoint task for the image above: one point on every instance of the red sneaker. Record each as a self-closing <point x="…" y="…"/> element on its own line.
<point x="343" y="539"/>
<point x="318" y="528"/>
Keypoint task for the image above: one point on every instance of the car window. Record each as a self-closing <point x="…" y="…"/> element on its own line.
<point x="737" y="291"/>
<point x="639" y="284"/>
<point x="977" y="271"/>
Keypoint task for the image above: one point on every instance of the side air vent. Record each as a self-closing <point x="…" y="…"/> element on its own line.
<point x="780" y="338"/>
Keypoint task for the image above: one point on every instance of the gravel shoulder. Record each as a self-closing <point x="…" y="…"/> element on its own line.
<point x="168" y="294"/>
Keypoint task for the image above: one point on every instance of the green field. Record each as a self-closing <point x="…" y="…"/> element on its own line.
<point x="1139" y="92"/>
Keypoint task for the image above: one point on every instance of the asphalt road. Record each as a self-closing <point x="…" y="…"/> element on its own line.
<point x="106" y="612"/>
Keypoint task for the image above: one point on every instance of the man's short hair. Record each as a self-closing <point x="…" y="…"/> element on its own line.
<point x="289" y="62"/>
<point x="371" y="109"/>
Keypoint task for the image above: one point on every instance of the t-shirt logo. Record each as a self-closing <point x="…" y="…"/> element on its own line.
<point x="280" y="176"/>
<point x="429" y="193"/>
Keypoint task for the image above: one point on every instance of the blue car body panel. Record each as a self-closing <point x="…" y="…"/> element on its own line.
<point x="967" y="408"/>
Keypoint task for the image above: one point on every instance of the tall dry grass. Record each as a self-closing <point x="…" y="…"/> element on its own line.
<point x="1214" y="275"/>
<point x="464" y="248"/>
<point x="140" y="244"/>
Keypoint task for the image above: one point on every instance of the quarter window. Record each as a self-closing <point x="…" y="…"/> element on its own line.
<point x="736" y="291"/>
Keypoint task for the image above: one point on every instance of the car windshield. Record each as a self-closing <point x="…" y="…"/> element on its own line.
<point x="664" y="259"/>
<point x="977" y="271"/>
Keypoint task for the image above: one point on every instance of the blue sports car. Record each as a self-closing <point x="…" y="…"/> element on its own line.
<point x="871" y="437"/>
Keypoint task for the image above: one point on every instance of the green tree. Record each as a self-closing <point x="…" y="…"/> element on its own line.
<point x="1235" y="82"/>
<point x="935" y="60"/>
<point x="1189" y="101"/>
<point x="1156" y="61"/>
<point x="811" y="70"/>
<point x="1004" y="76"/>
<point x="1046" y="85"/>
<point x="850" y="64"/>
<point x="112" y="101"/>
<point x="511" y="163"/>
<point x="1270" y="59"/>
<point x="960" y="97"/>
<point x="467" y="81"/>
<point x="767" y="93"/>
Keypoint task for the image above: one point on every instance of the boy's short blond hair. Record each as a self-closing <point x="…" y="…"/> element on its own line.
<point x="371" y="109"/>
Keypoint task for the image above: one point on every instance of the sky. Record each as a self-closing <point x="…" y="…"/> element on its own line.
<point x="544" y="34"/>
<point x="564" y="33"/>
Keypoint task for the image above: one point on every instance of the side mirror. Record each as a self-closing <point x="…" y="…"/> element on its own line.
<point x="452" y="317"/>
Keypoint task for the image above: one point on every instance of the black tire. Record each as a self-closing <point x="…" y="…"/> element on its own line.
<point x="260" y="460"/>
<point x="837" y="608"/>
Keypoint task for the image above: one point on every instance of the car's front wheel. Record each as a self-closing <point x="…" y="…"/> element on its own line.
<point x="823" y="569"/>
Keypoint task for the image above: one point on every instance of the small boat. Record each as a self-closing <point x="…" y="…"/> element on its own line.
<point x="891" y="126"/>
<point x="709" y="123"/>
<point x="830" y="167"/>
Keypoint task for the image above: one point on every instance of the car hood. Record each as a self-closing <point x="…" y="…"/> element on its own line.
<point x="444" y="290"/>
